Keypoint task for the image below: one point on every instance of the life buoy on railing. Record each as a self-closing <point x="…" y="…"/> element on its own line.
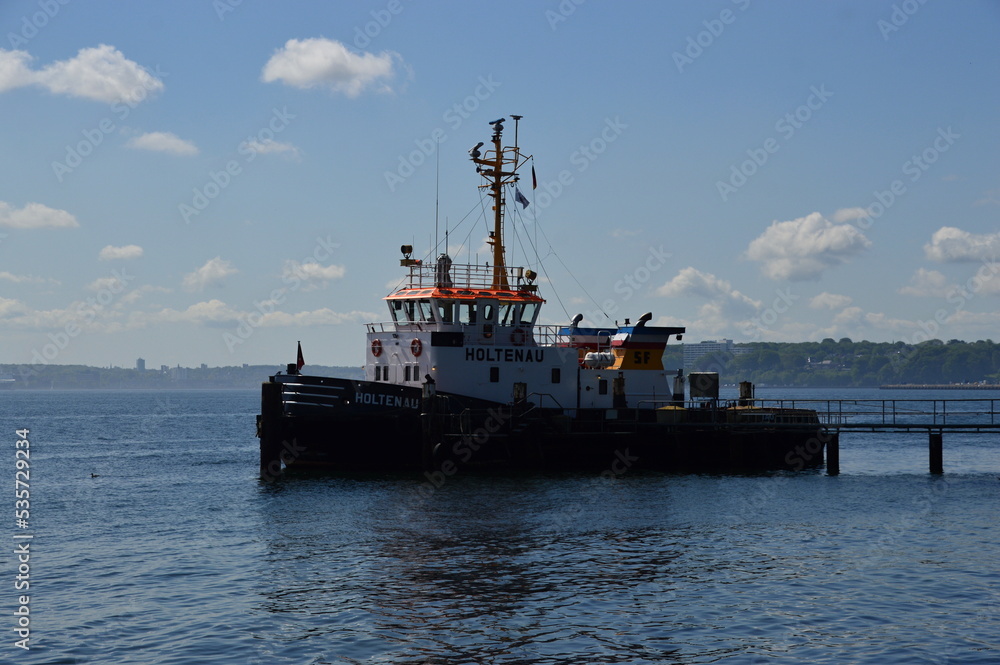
<point x="376" y="347"/>
<point x="517" y="337"/>
<point x="416" y="348"/>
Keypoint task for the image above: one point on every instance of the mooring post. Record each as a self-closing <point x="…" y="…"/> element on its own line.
<point x="270" y="430"/>
<point x="936" y="449"/>
<point x="833" y="455"/>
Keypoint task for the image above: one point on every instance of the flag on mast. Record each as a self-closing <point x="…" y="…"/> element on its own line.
<point x="520" y="198"/>
<point x="534" y="180"/>
<point x="299" y="360"/>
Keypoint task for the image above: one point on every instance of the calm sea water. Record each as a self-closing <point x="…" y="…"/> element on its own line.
<point x="154" y="542"/>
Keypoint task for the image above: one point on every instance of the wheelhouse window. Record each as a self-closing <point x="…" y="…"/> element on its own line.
<point x="411" y="311"/>
<point x="528" y="311"/>
<point x="445" y="310"/>
<point x="506" y="313"/>
<point x="396" y="310"/>
<point x="424" y="311"/>
<point x="467" y="311"/>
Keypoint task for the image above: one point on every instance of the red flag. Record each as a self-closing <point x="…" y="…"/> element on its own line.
<point x="534" y="180"/>
<point x="299" y="361"/>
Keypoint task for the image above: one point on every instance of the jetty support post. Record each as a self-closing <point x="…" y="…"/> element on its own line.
<point x="429" y="421"/>
<point x="833" y="455"/>
<point x="270" y="430"/>
<point x="936" y="452"/>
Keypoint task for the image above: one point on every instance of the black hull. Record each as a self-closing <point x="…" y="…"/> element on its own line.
<point x="342" y="425"/>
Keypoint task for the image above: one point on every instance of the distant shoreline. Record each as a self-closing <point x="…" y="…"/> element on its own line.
<point x="940" y="386"/>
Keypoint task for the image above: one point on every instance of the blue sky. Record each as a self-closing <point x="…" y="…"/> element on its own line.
<point x="208" y="182"/>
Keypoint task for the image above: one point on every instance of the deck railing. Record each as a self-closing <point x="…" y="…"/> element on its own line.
<point x="460" y="276"/>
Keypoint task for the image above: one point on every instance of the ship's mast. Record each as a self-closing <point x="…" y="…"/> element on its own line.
<point x="492" y="169"/>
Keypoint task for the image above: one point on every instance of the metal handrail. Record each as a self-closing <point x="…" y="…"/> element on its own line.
<point x="896" y="412"/>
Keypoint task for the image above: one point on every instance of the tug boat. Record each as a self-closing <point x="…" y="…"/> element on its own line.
<point x="463" y="375"/>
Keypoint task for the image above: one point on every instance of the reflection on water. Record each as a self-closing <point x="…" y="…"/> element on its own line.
<point x="687" y="569"/>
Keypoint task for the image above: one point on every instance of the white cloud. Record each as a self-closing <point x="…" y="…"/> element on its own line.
<point x="163" y="142"/>
<point x="270" y="146"/>
<point x="113" y="284"/>
<point x="830" y="301"/>
<point x="317" y="317"/>
<point x="213" y="273"/>
<point x="310" y="275"/>
<point x="319" y="62"/>
<point x="217" y="314"/>
<point x="14" y="70"/>
<point x="850" y="214"/>
<point x="101" y="73"/>
<point x="25" y="279"/>
<point x="693" y="282"/>
<point x="85" y="315"/>
<point x="112" y="253"/>
<point x="136" y="294"/>
<point x="623" y="233"/>
<point x="849" y="316"/>
<point x="35" y="216"/>
<point x="803" y="248"/>
<point x="9" y="306"/>
<point x="211" y="312"/>
<point x="955" y="245"/>
<point x="926" y="283"/>
<point x="990" y="197"/>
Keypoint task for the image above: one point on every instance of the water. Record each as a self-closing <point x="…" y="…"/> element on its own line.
<point x="175" y="553"/>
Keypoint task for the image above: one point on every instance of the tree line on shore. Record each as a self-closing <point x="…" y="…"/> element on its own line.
<point x="846" y="363"/>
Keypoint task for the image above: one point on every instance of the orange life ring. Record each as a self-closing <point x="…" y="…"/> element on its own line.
<point x="416" y="348"/>
<point x="517" y="337"/>
<point x="376" y="347"/>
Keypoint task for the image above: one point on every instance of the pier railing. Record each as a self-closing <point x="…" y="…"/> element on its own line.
<point x="902" y="415"/>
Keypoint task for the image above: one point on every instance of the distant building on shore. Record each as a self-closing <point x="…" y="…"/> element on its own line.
<point x="140" y="364"/>
<point x="694" y="352"/>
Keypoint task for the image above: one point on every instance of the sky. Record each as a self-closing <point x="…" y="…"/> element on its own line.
<point x="212" y="181"/>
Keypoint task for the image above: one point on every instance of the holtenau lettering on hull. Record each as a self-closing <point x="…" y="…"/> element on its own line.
<point x="506" y="355"/>
<point x="376" y="399"/>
